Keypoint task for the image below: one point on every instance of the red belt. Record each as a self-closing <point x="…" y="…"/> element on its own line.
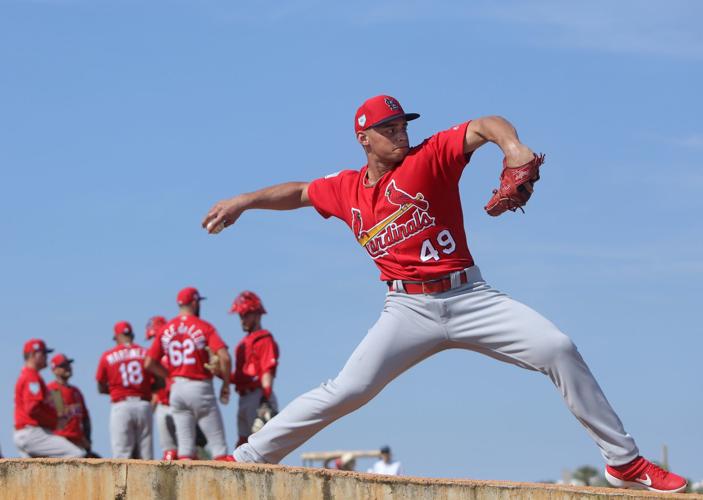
<point x="438" y="285"/>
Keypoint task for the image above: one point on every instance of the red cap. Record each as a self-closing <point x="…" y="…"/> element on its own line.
<point x="33" y="345"/>
<point x="59" y="360"/>
<point x="154" y="325"/>
<point x="378" y="110"/>
<point x="188" y="295"/>
<point x="123" y="327"/>
<point x="247" y="302"/>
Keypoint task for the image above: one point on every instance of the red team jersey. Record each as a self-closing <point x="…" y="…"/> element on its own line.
<point x="32" y="405"/>
<point x="122" y="370"/>
<point x="410" y="222"/>
<point x="163" y="394"/>
<point x="255" y="354"/>
<point x="74" y="412"/>
<point x="183" y="341"/>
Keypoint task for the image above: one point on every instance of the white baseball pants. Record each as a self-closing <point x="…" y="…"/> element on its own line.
<point x="246" y="414"/>
<point x="412" y="328"/>
<point x="35" y="442"/>
<point x="130" y="429"/>
<point x="194" y="401"/>
<point x="166" y="426"/>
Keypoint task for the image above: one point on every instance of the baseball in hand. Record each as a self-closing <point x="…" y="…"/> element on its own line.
<point x="212" y="229"/>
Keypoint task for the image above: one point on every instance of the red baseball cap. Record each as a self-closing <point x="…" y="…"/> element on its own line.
<point x="188" y="295"/>
<point x="379" y="110"/>
<point x="33" y="345"/>
<point x="247" y="302"/>
<point x="154" y="325"/>
<point x="123" y="327"/>
<point x="59" y="359"/>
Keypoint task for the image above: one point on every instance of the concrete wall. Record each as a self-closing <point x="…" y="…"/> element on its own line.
<point x="55" y="479"/>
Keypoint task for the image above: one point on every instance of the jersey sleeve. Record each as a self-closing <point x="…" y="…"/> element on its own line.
<point x="267" y="354"/>
<point x="81" y="399"/>
<point x="101" y="374"/>
<point x="325" y="196"/>
<point x="448" y="147"/>
<point x="215" y="342"/>
<point x="156" y="351"/>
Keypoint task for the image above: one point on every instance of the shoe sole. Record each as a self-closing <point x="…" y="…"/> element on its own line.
<point x="632" y="485"/>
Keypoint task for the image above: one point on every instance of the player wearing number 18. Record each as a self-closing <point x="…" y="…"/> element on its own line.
<point x="121" y="374"/>
<point x="187" y="341"/>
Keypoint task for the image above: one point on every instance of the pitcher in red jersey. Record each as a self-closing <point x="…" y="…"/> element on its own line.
<point x="404" y="209"/>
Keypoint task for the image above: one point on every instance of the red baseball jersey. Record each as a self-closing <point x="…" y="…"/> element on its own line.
<point x="163" y="394"/>
<point x="183" y="340"/>
<point x="32" y="404"/>
<point x="74" y="412"/>
<point x="122" y="370"/>
<point x="255" y="354"/>
<point x="410" y="222"/>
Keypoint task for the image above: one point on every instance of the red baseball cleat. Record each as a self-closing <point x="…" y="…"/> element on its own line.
<point x="641" y="474"/>
<point x="225" y="458"/>
<point x="170" y="455"/>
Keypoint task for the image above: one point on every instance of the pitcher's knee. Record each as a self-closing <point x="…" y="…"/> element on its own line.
<point x="557" y="349"/>
<point x="347" y="398"/>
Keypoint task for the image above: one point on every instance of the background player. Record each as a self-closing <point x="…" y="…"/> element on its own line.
<point x="184" y="340"/>
<point x="256" y="359"/>
<point x="162" y="410"/>
<point x="70" y="405"/>
<point x="386" y="464"/>
<point x="404" y="209"/>
<point x="121" y="374"/>
<point x="35" y="416"/>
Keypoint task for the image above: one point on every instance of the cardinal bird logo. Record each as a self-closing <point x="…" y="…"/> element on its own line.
<point x="389" y="232"/>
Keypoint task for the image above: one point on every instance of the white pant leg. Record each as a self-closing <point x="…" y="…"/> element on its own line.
<point x="210" y="419"/>
<point x="183" y="416"/>
<point x="142" y="415"/>
<point x="246" y="412"/>
<point x="482" y="319"/>
<point x="122" y="430"/>
<point x="38" y="442"/>
<point x="167" y="428"/>
<point x="406" y="333"/>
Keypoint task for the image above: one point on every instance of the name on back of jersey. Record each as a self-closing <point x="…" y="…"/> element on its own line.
<point x="126" y="354"/>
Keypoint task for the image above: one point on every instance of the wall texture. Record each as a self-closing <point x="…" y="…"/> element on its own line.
<point x="55" y="479"/>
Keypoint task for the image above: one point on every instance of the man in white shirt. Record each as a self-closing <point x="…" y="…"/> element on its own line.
<point x="386" y="465"/>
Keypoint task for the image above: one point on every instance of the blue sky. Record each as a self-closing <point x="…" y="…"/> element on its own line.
<point x="121" y="123"/>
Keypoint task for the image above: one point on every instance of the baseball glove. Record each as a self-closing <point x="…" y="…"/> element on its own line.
<point x="213" y="364"/>
<point x="264" y="413"/>
<point x="515" y="187"/>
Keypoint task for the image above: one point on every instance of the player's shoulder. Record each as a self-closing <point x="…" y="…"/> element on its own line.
<point x="458" y="130"/>
<point x="347" y="175"/>
<point x="204" y="325"/>
<point x="110" y="351"/>
<point x="29" y="375"/>
<point x="53" y="385"/>
<point x="260" y="334"/>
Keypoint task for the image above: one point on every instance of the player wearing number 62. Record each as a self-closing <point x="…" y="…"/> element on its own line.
<point x="404" y="209"/>
<point x="121" y="374"/>
<point x="185" y="340"/>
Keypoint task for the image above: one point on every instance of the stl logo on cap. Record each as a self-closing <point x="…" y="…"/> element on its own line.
<point x="379" y="110"/>
<point x="392" y="104"/>
<point x="123" y="328"/>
